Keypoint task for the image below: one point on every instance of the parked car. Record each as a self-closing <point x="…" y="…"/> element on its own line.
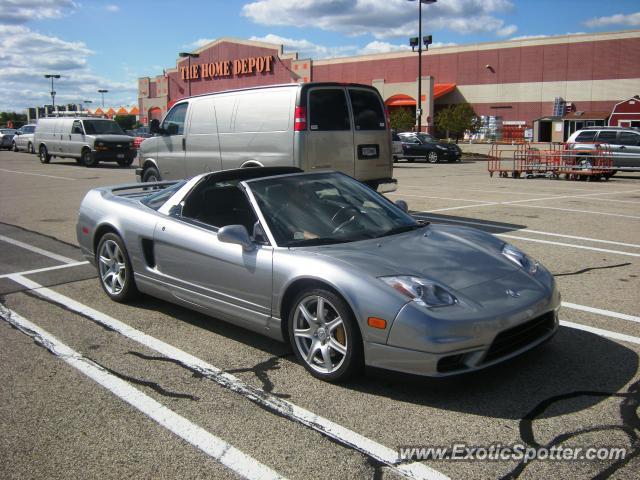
<point x="90" y="140"/>
<point x="624" y="143"/>
<point x="6" y="137"/>
<point x="23" y="139"/>
<point x="396" y="146"/>
<point x="312" y="126"/>
<point x="321" y="261"/>
<point x="422" y="146"/>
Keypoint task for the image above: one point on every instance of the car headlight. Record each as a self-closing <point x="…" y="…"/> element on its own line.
<point x="99" y="144"/>
<point x="423" y="292"/>
<point x="520" y="258"/>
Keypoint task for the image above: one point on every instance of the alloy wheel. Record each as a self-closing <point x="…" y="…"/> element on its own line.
<point x="432" y="157"/>
<point x="319" y="334"/>
<point x="113" y="267"/>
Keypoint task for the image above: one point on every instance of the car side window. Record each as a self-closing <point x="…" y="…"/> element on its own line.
<point x="586" y="136"/>
<point x="218" y="204"/>
<point x="173" y="123"/>
<point x="607" y="136"/>
<point x="367" y="110"/>
<point x="77" y="127"/>
<point x="328" y="110"/>
<point x="629" y="138"/>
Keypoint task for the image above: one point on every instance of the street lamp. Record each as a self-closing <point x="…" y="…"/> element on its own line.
<point x="417" y="42"/>
<point x="189" y="55"/>
<point x="83" y="102"/>
<point x="53" y="92"/>
<point x="102" y="91"/>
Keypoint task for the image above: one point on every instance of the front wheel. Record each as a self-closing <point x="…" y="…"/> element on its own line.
<point x="125" y="162"/>
<point x="114" y="269"/>
<point x="30" y="148"/>
<point x="432" y="157"/>
<point x="324" y="335"/>
<point x="44" y="155"/>
<point x="89" y="160"/>
<point x="151" y="174"/>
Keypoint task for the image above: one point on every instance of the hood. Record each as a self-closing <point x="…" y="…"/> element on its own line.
<point x="112" y="138"/>
<point x="454" y="256"/>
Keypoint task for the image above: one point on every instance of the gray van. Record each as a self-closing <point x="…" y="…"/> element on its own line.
<point x="312" y="126"/>
<point x="90" y="140"/>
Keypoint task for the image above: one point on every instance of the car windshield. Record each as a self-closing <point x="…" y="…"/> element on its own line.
<point x="325" y="208"/>
<point x="160" y="197"/>
<point x="92" y="127"/>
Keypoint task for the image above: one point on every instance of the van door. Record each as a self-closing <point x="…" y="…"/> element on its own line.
<point x="371" y="141"/>
<point x="201" y="138"/>
<point x="329" y="139"/>
<point x="76" y="139"/>
<point x="171" y="145"/>
<point x="61" y="133"/>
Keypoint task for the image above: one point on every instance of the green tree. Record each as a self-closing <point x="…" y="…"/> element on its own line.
<point x="457" y="119"/>
<point x="17" y="119"/>
<point x="402" y="119"/>
<point x="126" y="122"/>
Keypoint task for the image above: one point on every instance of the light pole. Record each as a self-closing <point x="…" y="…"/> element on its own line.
<point x="84" y="102"/>
<point x="53" y="92"/>
<point x="102" y="91"/>
<point x="413" y="42"/>
<point x="189" y="55"/>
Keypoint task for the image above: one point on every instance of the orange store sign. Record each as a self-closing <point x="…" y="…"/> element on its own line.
<point x="228" y="68"/>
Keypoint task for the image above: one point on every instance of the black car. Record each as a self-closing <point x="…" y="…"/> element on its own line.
<point x="422" y="146"/>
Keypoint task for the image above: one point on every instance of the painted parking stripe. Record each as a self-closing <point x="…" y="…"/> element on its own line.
<point x="561" y="244"/>
<point x="46" y="269"/>
<point x="526" y="230"/>
<point x="215" y="447"/>
<point x="599" y="311"/>
<point x="46" y="253"/>
<point x="284" y="408"/>
<point x="37" y="174"/>
<point x="601" y="332"/>
<point x="575" y="210"/>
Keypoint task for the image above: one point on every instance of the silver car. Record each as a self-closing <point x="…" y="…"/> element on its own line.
<point x="623" y="142"/>
<point x="325" y="263"/>
<point x="6" y="137"/>
<point x="23" y="139"/>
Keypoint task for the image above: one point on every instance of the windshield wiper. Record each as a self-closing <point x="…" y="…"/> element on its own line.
<point x="313" y="241"/>
<point x="401" y="229"/>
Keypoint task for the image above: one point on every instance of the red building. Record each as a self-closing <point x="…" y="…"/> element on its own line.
<point x="517" y="81"/>
<point x="626" y="114"/>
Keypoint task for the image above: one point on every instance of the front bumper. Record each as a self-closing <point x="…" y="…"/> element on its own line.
<point x="383" y="185"/>
<point x="113" y="155"/>
<point x="461" y="343"/>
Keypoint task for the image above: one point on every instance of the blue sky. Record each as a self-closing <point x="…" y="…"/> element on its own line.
<point x="110" y="44"/>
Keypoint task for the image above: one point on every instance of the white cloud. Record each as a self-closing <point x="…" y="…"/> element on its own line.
<point x="201" y="42"/>
<point x="532" y="37"/>
<point x="629" y="20"/>
<point x="17" y="12"/>
<point x="382" y="47"/>
<point x="506" y="31"/>
<point x="382" y="18"/>
<point x="112" y="8"/>
<point x="307" y="49"/>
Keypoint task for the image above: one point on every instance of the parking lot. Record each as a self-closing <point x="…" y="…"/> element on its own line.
<point x="154" y="390"/>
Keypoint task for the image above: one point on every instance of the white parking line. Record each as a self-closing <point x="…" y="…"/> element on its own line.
<point x="215" y="447"/>
<point x="437" y="198"/>
<point x="37" y="174"/>
<point x="601" y="332"/>
<point x="286" y="409"/>
<point x="582" y="247"/>
<point x="40" y="251"/>
<point x="599" y="311"/>
<point x="574" y="210"/>
<point x="46" y="269"/>
<point x="526" y="230"/>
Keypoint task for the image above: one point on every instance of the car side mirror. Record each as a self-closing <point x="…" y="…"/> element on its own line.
<point x="172" y="129"/>
<point x="236" y="234"/>
<point x="154" y="126"/>
<point x="402" y="205"/>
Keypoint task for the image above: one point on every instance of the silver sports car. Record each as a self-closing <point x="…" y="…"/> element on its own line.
<point x="323" y="262"/>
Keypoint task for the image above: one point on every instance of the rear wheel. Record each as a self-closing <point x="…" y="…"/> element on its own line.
<point x="125" y="162"/>
<point x="44" y="155"/>
<point x="324" y="335"/>
<point x="432" y="157"/>
<point x="151" y="174"/>
<point x="88" y="160"/>
<point x="114" y="269"/>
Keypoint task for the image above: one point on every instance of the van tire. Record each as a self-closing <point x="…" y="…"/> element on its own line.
<point x="44" y="155"/>
<point x="89" y="160"/>
<point x="151" y="174"/>
<point x="125" y="162"/>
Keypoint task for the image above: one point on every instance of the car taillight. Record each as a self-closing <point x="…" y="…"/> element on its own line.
<point x="387" y="116"/>
<point x="300" y="119"/>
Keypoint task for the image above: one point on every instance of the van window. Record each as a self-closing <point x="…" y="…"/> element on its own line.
<point x="93" y="127"/>
<point x="629" y="138"/>
<point x="266" y="111"/>
<point x="586" y="136"/>
<point x="367" y="110"/>
<point x="607" y="136"/>
<point x="328" y="110"/>
<point x="174" y="121"/>
<point x="203" y="117"/>
<point x="76" y="127"/>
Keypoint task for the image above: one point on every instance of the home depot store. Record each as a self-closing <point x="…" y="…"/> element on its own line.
<point x="516" y="80"/>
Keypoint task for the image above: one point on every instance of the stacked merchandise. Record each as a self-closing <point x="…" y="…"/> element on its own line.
<point x="513" y="131"/>
<point x="490" y="129"/>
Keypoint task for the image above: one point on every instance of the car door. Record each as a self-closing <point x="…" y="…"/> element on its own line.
<point x="329" y="139"/>
<point x="171" y="143"/>
<point x="609" y="139"/>
<point x="76" y="139"/>
<point x="629" y="149"/>
<point x="411" y="146"/>
<point x="220" y="278"/>
<point x="201" y="138"/>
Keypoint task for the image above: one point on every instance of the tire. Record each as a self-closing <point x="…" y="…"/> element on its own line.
<point x="125" y="162"/>
<point x="330" y="348"/>
<point x="151" y="174"/>
<point x="432" y="157"/>
<point x="44" y="155"/>
<point x="14" y="147"/>
<point x="30" y="148"/>
<point x="115" y="273"/>
<point x="395" y="159"/>
<point x="88" y="160"/>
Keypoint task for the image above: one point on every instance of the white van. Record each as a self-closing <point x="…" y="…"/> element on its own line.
<point x="311" y="126"/>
